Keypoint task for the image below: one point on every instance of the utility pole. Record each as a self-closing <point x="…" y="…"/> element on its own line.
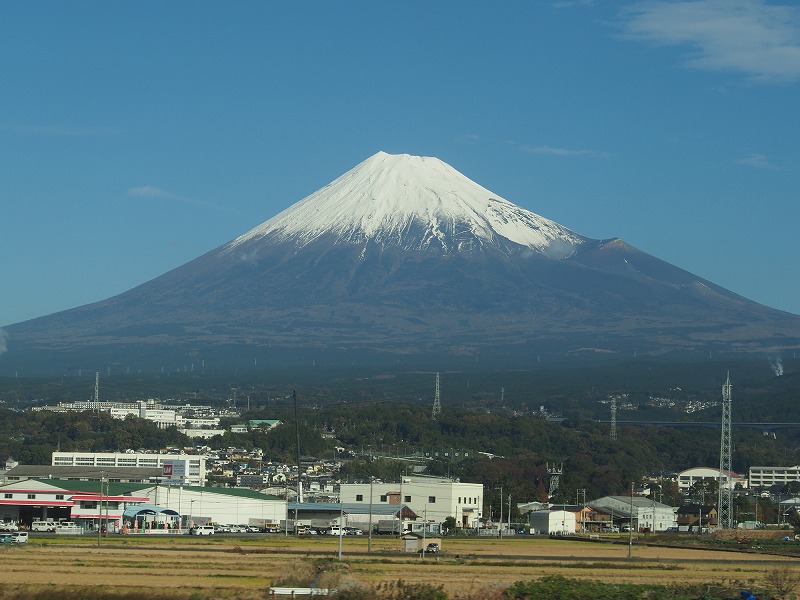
<point x="299" y="496"/>
<point x="613" y="417"/>
<point x="630" y="527"/>
<point x="369" y="542"/>
<point x="509" y="512"/>
<point x="501" y="512"/>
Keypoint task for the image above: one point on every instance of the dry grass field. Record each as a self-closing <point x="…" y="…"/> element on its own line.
<point x="245" y="568"/>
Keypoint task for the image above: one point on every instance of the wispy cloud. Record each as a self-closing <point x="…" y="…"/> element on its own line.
<point x="752" y="37"/>
<point x="758" y="161"/>
<point x="567" y="152"/>
<point x="149" y="191"/>
<point x="571" y="3"/>
<point x="468" y="138"/>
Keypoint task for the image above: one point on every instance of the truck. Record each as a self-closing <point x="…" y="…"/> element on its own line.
<point x="389" y="526"/>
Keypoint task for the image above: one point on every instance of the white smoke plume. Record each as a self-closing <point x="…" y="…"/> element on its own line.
<point x="777" y="366"/>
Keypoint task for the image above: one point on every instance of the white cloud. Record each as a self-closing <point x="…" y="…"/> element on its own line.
<point x="564" y="152"/>
<point x="753" y="37"/>
<point x="758" y="161"/>
<point x="149" y="191"/>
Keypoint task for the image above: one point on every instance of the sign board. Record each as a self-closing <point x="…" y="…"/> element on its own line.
<point x="174" y="469"/>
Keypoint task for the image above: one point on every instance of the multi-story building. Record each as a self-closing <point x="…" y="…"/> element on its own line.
<point x="689" y="477"/>
<point x="431" y="498"/>
<point x="190" y="468"/>
<point x="764" y="477"/>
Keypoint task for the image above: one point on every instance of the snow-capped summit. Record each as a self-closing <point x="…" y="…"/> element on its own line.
<point x="414" y="202"/>
<point x="405" y="256"/>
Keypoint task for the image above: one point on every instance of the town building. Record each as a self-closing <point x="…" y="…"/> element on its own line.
<point x="765" y="477"/>
<point x="90" y="504"/>
<point x="115" y="474"/>
<point x="636" y="512"/>
<point x="78" y="502"/>
<point x="689" y="477"/>
<point x="433" y="499"/>
<point x="694" y="516"/>
<point x="189" y="469"/>
<point x="552" y="522"/>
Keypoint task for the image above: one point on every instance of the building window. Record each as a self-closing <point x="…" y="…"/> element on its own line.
<point x="9" y="495"/>
<point x="459" y="499"/>
<point x="31" y="496"/>
<point x="359" y="497"/>
<point x="407" y="499"/>
<point x="432" y="499"/>
<point x="59" y="496"/>
<point x="384" y="498"/>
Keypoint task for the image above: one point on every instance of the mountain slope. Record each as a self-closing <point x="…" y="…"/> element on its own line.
<point x="404" y="255"/>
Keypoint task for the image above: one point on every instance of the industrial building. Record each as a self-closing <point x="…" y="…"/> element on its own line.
<point x="188" y="469"/>
<point x="637" y="512"/>
<point x="433" y="499"/>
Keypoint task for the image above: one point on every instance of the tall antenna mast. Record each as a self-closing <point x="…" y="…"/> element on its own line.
<point x="96" y="406"/>
<point x="724" y="508"/>
<point x="437" y="404"/>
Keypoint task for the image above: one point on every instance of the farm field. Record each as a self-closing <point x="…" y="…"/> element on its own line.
<point x="244" y="568"/>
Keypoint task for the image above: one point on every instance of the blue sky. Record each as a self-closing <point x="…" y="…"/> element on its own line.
<point x="136" y="136"/>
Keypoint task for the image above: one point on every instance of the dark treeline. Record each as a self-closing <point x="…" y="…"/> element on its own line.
<point x="384" y="416"/>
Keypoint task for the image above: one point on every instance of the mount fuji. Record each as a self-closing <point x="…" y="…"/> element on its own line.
<point x="405" y="256"/>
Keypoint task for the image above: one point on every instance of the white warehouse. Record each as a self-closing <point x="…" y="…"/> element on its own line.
<point x="557" y="522"/>
<point x="431" y="498"/>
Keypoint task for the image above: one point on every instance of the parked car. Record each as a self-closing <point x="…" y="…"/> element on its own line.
<point x="20" y="537"/>
<point x="6" y="538"/>
<point x="433" y="548"/>
<point x="202" y="530"/>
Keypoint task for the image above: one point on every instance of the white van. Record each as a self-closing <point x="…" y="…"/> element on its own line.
<point x="43" y="526"/>
<point x="20" y="537"/>
<point x="202" y="530"/>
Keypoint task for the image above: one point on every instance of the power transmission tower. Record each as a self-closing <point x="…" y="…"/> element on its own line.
<point x="96" y="406"/>
<point x="724" y="508"/>
<point x="437" y="404"/>
<point x="554" y="473"/>
<point x="614" y="417"/>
